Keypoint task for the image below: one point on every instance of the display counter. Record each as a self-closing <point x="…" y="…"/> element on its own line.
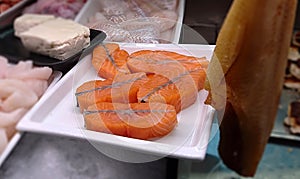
<point x="49" y="156"/>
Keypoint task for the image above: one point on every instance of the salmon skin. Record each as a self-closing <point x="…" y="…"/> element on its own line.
<point x="123" y="89"/>
<point x="168" y="64"/>
<point x="109" y="60"/>
<point x="135" y="120"/>
<point x="178" y="91"/>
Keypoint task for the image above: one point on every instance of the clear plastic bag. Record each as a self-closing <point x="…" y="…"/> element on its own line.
<point x="137" y="21"/>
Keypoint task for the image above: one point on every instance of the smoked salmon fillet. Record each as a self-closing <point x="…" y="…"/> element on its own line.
<point x="123" y="89"/>
<point x="136" y="120"/>
<point x="108" y="60"/>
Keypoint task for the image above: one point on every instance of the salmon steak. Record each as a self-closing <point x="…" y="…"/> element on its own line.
<point x="177" y="92"/>
<point x="135" y="120"/>
<point x="168" y="64"/>
<point x="189" y="62"/>
<point x="123" y="89"/>
<point x="109" y="60"/>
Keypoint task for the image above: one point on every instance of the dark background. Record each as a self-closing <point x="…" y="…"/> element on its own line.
<point x="206" y="18"/>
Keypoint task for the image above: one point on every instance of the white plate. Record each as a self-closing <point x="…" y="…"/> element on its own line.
<point x="57" y="114"/>
<point x="92" y="6"/>
<point x="15" y="139"/>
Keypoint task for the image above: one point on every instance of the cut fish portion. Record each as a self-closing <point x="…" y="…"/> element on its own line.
<point x="21" y="86"/>
<point x="12" y="90"/>
<point x="168" y="64"/>
<point x="177" y="81"/>
<point x="3" y="66"/>
<point x="136" y="120"/>
<point x="188" y="62"/>
<point x="123" y="89"/>
<point x="174" y="91"/>
<point x="108" y="60"/>
<point x="142" y="92"/>
<point x="8" y="119"/>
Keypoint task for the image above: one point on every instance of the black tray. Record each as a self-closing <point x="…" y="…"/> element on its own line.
<point x="12" y="48"/>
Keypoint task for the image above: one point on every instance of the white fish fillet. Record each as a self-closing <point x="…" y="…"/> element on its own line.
<point x="42" y="73"/>
<point x="3" y="140"/>
<point x="38" y="86"/>
<point x="16" y="94"/>
<point x="11" y="118"/>
<point x="3" y="66"/>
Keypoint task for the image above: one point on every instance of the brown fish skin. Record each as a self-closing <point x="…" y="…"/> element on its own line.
<point x="135" y="120"/>
<point x="108" y="60"/>
<point x="123" y="89"/>
<point x="252" y="49"/>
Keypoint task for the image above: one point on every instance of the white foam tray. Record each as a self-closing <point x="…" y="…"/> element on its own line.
<point x="57" y="113"/>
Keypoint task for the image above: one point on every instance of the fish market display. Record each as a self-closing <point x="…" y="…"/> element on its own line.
<point x="143" y="102"/>
<point x="21" y="86"/>
<point x="55" y="37"/>
<point x="61" y="8"/>
<point x="252" y="51"/>
<point x="6" y="4"/>
<point x="138" y="21"/>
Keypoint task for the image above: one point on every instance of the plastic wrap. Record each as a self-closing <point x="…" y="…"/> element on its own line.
<point x="137" y="21"/>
